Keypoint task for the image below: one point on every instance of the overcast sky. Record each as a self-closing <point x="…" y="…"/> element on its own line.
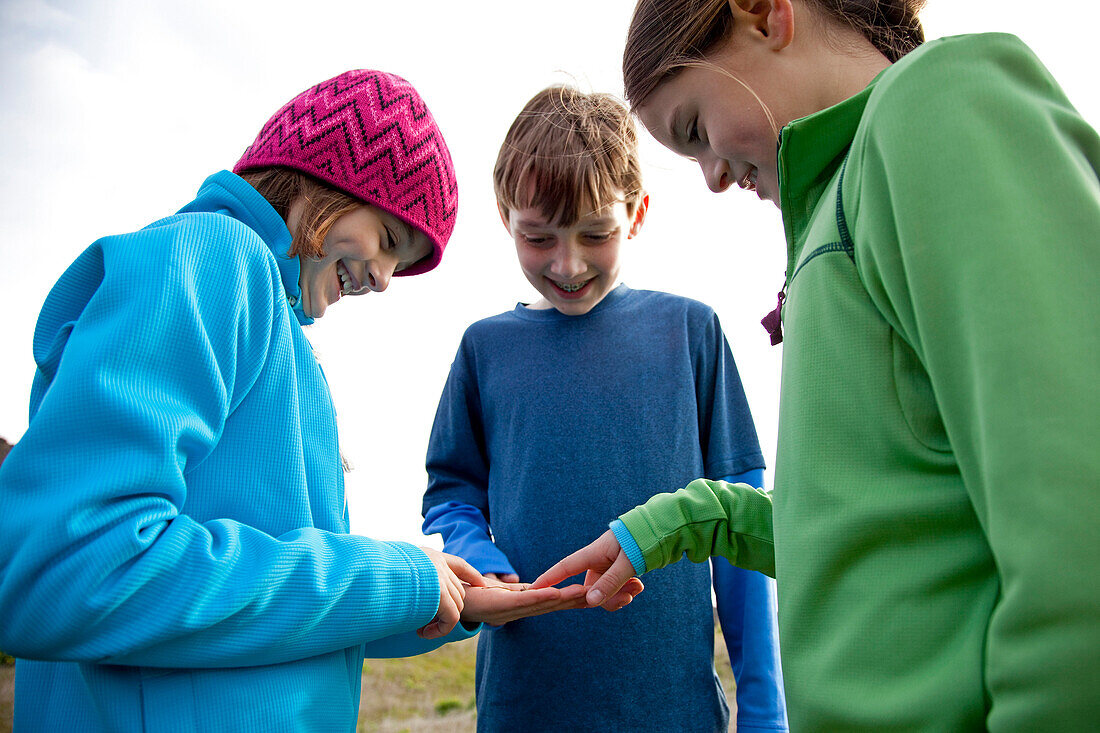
<point x="113" y="113"/>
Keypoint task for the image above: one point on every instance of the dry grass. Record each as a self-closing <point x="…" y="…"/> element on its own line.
<point x="7" y="685"/>
<point x="432" y="693"/>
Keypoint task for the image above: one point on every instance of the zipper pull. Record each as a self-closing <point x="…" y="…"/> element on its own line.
<point x="773" y="322"/>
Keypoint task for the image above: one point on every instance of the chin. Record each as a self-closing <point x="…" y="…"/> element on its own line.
<point x="575" y="307"/>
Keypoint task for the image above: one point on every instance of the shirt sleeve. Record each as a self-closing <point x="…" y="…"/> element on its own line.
<point x="98" y="562"/>
<point x="408" y="644"/>
<point x="726" y="429"/>
<point x="466" y="534"/>
<point x="457" y="461"/>
<point x="705" y="518"/>
<point x="746" y="605"/>
<point x="977" y="237"/>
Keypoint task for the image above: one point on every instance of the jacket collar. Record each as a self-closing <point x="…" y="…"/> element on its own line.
<point x="229" y="194"/>
<point x="811" y="150"/>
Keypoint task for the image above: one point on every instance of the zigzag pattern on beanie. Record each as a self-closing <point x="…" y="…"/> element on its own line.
<point x="369" y="134"/>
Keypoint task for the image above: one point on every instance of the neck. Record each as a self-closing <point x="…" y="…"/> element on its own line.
<point x="852" y="78"/>
<point x="846" y="62"/>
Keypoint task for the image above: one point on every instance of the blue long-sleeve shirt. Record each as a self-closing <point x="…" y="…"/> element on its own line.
<point x="750" y="634"/>
<point x="174" y="547"/>
<point x="540" y="412"/>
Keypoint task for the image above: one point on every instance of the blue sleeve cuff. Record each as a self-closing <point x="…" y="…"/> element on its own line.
<point x="754" y="478"/>
<point x="629" y="545"/>
<point x="408" y="644"/>
<point x="466" y="534"/>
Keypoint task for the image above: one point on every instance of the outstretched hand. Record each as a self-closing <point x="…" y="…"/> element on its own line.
<point x="497" y="603"/>
<point x="609" y="574"/>
<point x="455" y="576"/>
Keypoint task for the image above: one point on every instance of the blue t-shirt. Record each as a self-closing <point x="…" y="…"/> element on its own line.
<point x="541" y="418"/>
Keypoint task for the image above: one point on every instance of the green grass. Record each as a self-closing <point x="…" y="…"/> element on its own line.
<point x="432" y="693"/>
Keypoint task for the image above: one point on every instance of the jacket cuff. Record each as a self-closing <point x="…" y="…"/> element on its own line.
<point x="629" y="545"/>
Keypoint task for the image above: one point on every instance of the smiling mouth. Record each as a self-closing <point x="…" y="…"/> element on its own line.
<point x="748" y="181"/>
<point x="570" y="288"/>
<point x="348" y="284"/>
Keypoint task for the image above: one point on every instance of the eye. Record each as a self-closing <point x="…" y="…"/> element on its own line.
<point x="693" y="131"/>
<point x="391" y="240"/>
<point x="597" y="237"/>
<point x="536" y="240"/>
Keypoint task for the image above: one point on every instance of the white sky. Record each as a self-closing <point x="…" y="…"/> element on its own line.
<point x="113" y="113"/>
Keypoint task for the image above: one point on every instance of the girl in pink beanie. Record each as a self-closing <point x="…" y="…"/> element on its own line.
<point x="174" y="541"/>
<point x="361" y="137"/>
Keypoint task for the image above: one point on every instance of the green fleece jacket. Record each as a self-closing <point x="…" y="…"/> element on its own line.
<point x="936" y="512"/>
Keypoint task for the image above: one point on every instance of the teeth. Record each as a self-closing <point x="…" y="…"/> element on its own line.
<point x="748" y="181"/>
<point x="345" y="278"/>
<point x="571" y="287"/>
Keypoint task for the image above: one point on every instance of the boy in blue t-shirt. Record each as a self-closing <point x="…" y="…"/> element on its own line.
<point x="549" y="405"/>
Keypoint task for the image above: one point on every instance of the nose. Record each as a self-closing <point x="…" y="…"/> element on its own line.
<point x="717" y="173"/>
<point x="379" y="273"/>
<point x="567" y="262"/>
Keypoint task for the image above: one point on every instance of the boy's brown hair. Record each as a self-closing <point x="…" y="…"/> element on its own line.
<point x="569" y="154"/>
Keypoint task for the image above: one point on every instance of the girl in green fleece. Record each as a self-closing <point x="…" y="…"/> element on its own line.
<point x="933" y="528"/>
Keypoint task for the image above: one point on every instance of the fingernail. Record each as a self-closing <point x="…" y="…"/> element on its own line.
<point x="594" y="597"/>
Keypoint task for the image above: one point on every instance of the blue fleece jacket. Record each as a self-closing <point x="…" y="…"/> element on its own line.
<point x="174" y="547"/>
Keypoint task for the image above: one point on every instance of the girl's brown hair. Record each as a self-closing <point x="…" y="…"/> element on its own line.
<point x="569" y="153"/>
<point x="322" y="205"/>
<point x="666" y="35"/>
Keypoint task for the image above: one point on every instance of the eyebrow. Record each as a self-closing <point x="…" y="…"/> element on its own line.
<point x="674" y="124"/>
<point x="532" y="223"/>
<point x="405" y="235"/>
<point x="598" y="221"/>
<point x="406" y="238"/>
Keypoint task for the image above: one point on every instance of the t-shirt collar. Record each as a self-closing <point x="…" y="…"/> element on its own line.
<point x="617" y="294"/>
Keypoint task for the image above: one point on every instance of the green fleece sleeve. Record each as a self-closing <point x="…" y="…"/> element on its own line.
<point x="978" y="237"/>
<point x="702" y="519"/>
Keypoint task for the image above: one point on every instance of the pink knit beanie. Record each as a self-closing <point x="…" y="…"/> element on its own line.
<point x="369" y="134"/>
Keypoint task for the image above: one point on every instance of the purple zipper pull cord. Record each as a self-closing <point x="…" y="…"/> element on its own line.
<point x="772" y="322"/>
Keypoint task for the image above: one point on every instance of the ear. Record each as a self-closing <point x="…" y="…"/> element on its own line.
<point x="294" y="215"/>
<point x="770" y="20"/>
<point x="639" y="215"/>
<point x="504" y="219"/>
